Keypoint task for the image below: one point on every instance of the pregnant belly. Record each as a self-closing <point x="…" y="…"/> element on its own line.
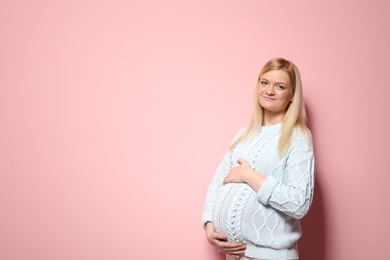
<point x="229" y="208"/>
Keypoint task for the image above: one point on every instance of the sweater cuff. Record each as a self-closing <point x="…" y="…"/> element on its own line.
<point x="206" y="218"/>
<point x="266" y="189"/>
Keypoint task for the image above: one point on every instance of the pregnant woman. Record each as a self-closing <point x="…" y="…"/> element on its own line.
<point x="265" y="182"/>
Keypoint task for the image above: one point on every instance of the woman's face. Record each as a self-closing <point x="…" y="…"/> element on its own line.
<point x="274" y="91"/>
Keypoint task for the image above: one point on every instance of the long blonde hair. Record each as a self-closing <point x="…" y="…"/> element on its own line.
<point x="295" y="115"/>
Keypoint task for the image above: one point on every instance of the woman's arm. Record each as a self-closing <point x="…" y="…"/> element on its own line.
<point x="216" y="184"/>
<point x="293" y="198"/>
<point x="214" y="189"/>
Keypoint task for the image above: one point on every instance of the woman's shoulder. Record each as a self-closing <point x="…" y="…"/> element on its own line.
<point x="301" y="132"/>
<point x="302" y="136"/>
<point x="239" y="133"/>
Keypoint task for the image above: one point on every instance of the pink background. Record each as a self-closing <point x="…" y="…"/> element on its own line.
<point x="115" y="114"/>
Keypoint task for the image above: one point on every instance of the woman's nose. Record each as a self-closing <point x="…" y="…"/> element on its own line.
<point x="270" y="90"/>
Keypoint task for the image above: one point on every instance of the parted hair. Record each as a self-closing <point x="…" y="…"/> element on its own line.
<point x="295" y="112"/>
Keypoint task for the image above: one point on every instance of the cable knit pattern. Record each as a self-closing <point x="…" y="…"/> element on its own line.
<point x="267" y="221"/>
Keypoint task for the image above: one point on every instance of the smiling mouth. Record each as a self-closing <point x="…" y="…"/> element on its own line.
<point x="268" y="98"/>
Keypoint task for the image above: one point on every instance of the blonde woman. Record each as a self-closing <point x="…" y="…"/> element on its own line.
<point x="265" y="182"/>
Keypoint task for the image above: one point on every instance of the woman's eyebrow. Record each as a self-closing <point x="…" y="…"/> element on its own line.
<point x="278" y="82"/>
<point x="281" y="83"/>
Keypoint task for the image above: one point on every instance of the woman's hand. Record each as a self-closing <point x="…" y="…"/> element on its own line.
<point x="220" y="242"/>
<point x="244" y="173"/>
<point x="238" y="173"/>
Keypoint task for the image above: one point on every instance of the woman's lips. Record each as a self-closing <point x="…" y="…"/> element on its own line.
<point x="268" y="98"/>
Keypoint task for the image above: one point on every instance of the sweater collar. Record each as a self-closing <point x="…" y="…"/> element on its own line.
<point x="271" y="128"/>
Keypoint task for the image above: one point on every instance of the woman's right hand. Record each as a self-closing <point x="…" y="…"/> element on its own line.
<point x="220" y="242"/>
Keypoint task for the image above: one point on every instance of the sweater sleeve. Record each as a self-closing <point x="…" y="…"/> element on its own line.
<point x="295" y="196"/>
<point x="216" y="184"/>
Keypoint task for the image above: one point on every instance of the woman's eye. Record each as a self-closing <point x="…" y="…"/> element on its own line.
<point x="280" y="87"/>
<point x="263" y="83"/>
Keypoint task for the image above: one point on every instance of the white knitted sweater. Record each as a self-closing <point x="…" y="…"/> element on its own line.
<point x="267" y="221"/>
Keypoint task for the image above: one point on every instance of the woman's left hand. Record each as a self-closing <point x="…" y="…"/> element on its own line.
<point x="239" y="173"/>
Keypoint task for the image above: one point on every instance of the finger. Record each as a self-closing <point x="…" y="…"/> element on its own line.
<point x="225" y="180"/>
<point x="219" y="236"/>
<point x="236" y="251"/>
<point x="241" y="161"/>
<point x="237" y="254"/>
<point x="232" y="246"/>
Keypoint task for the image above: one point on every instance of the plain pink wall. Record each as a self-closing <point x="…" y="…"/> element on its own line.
<point x="115" y="114"/>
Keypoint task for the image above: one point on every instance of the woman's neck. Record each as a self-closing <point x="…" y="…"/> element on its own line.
<point x="272" y="119"/>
